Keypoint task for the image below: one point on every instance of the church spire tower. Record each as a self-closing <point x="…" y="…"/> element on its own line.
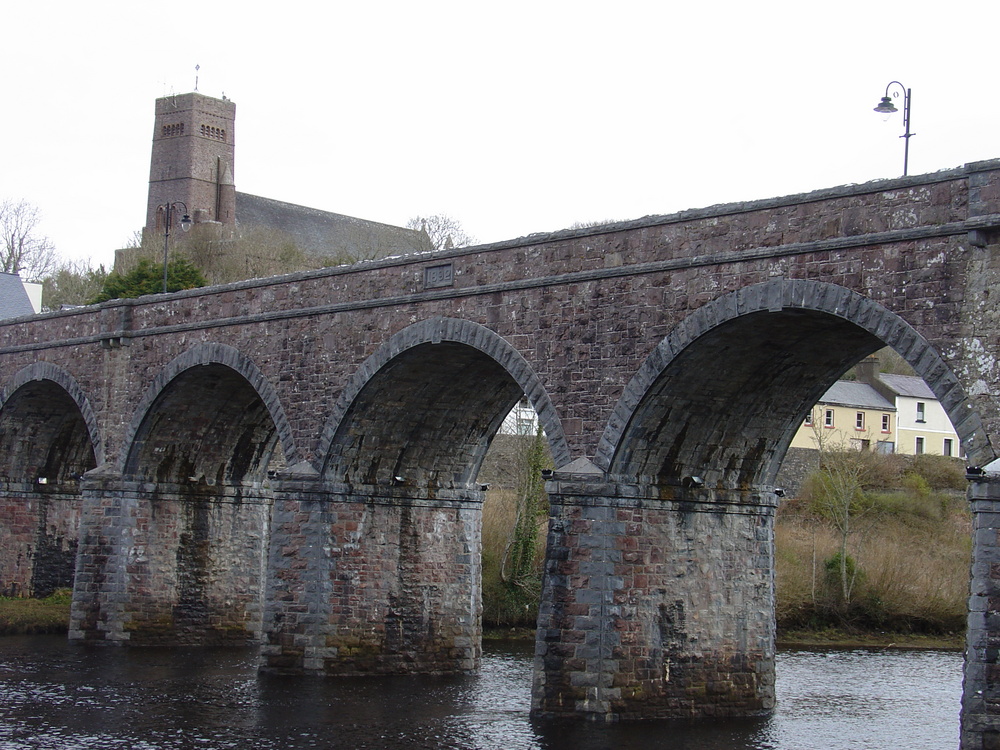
<point x="192" y="159"/>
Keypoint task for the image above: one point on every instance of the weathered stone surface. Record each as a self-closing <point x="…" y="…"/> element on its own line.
<point x="373" y="583"/>
<point x="656" y="609"/>
<point x="671" y="355"/>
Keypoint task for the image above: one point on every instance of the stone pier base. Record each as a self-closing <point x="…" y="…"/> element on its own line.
<point x="38" y="537"/>
<point x="373" y="581"/>
<point x="166" y="564"/>
<point x="656" y="603"/>
<point x="981" y="686"/>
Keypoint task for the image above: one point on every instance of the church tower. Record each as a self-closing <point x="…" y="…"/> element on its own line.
<point x="192" y="160"/>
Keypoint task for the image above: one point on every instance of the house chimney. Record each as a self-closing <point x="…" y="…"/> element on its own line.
<point x="867" y="370"/>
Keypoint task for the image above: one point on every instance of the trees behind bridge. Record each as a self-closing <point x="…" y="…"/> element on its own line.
<point x="514" y="524"/>
<point x="72" y="283"/>
<point x="444" y="231"/>
<point x="147" y="278"/>
<point x="25" y="250"/>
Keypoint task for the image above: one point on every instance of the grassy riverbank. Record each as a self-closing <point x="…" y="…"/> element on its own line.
<point x="35" y="616"/>
<point x="906" y="569"/>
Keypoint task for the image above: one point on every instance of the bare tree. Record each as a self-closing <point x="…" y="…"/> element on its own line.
<point x="24" y="251"/>
<point x="444" y="231"/>
<point x="72" y="283"/>
<point x="839" y="494"/>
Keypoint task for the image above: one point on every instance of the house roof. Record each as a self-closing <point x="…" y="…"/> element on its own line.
<point x="329" y="234"/>
<point x="907" y="385"/>
<point x="14" y="300"/>
<point x="856" y="395"/>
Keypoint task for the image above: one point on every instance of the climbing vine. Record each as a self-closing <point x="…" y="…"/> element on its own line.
<point x="518" y="567"/>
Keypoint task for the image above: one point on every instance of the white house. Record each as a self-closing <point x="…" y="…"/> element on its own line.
<point x="15" y="299"/>
<point x="922" y="426"/>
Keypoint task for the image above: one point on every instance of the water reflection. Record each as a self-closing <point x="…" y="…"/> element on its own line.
<point x="57" y="695"/>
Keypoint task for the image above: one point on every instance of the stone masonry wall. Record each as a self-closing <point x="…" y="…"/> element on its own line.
<point x="38" y="537"/>
<point x="369" y="584"/>
<point x="169" y="567"/>
<point x="795" y="467"/>
<point x="655" y="609"/>
<point x="981" y="688"/>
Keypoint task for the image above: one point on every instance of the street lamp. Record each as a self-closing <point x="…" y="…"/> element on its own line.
<point x="886" y="107"/>
<point x="168" y="209"/>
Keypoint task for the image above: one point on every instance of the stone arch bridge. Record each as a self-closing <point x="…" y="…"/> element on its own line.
<point x="293" y="461"/>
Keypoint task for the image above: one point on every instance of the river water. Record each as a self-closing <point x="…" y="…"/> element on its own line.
<point x="59" y="696"/>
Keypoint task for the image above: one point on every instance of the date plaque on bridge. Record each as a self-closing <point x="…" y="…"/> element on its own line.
<point x="436" y="277"/>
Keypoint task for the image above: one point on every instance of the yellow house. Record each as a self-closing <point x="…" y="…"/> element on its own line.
<point x="882" y="412"/>
<point x="850" y="415"/>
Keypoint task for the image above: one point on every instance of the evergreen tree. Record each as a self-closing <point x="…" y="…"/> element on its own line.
<point x="147" y="278"/>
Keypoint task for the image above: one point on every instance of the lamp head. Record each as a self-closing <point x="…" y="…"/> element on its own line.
<point x="886" y="107"/>
<point x="186" y="222"/>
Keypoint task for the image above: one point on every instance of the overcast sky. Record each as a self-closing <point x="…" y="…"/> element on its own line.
<point x="512" y="117"/>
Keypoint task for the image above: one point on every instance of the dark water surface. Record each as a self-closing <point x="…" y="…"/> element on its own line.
<point x="59" y="696"/>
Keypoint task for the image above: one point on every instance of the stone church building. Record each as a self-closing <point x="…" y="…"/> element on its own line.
<point x="192" y="163"/>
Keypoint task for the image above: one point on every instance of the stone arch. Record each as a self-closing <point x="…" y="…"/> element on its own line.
<point x="262" y="406"/>
<point x="722" y="395"/>
<point x="485" y="374"/>
<point x="73" y="437"/>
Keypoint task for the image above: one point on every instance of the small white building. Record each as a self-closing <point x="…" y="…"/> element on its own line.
<point x="522" y="419"/>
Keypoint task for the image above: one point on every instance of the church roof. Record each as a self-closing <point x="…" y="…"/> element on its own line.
<point x="329" y="234"/>
<point x="14" y="300"/>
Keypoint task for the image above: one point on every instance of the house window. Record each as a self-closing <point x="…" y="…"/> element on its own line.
<point x="885" y="446"/>
<point x="949" y="447"/>
<point x="886" y="424"/>
<point x="859" y="420"/>
<point x="809" y="419"/>
<point x="918" y="446"/>
<point x="921" y="411"/>
<point x="828" y="418"/>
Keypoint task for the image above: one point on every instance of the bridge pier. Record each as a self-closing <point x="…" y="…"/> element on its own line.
<point x="38" y="537"/>
<point x="165" y="564"/>
<point x="373" y="580"/>
<point x="981" y="685"/>
<point x="657" y="602"/>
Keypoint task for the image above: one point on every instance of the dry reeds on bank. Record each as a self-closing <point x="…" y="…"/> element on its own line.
<point x="910" y="564"/>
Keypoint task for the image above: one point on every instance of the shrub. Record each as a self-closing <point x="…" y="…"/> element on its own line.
<point x="940" y="472"/>
<point x="147" y="278"/>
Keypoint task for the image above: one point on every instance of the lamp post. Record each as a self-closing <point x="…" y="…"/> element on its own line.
<point x="168" y="209"/>
<point x="886" y="107"/>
